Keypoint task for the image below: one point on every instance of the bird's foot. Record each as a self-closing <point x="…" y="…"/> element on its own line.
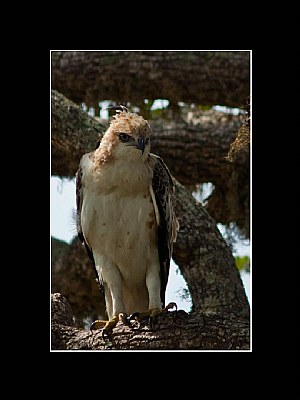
<point x="107" y="326"/>
<point x="151" y="313"/>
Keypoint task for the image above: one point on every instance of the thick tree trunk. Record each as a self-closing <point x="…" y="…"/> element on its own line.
<point x="205" y="260"/>
<point x="170" y="331"/>
<point x="200" y="77"/>
<point x="193" y="153"/>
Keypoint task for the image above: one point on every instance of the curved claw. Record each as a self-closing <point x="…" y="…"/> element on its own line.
<point x="106" y="332"/>
<point x="93" y="326"/>
<point x="136" y="326"/>
<point x="98" y="324"/>
<point x="134" y="316"/>
<point x="171" y="305"/>
<point x="107" y="326"/>
<point x="124" y="319"/>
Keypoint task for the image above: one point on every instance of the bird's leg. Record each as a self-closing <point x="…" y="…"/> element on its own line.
<point x="106" y="325"/>
<point x="112" y="283"/>
<point x="153" y="285"/>
<point x="114" y="304"/>
<point x="109" y="325"/>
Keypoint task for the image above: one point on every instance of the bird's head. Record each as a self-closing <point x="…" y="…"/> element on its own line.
<point x="128" y="135"/>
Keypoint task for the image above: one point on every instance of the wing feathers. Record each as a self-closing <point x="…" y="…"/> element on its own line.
<point x="163" y="188"/>
<point x="78" y="213"/>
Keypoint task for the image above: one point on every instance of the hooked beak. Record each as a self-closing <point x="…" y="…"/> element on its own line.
<point x="141" y="144"/>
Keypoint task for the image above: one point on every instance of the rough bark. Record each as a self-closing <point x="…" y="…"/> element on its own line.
<point x="205" y="260"/>
<point x="73" y="133"/>
<point x="170" y="331"/>
<point x="194" y="153"/>
<point x="199" y="77"/>
<point x="73" y="275"/>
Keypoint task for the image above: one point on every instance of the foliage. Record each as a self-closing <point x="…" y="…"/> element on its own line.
<point x="184" y="294"/>
<point x="243" y="263"/>
<point x="203" y="107"/>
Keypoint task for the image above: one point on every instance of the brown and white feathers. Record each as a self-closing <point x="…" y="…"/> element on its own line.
<point x="125" y="215"/>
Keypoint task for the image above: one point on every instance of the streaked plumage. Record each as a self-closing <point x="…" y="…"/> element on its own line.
<point x="125" y="216"/>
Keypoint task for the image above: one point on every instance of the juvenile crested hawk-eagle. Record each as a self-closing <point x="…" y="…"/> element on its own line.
<point x="126" y="219"/>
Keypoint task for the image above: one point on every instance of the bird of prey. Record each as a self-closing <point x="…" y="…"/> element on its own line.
<point x="126" y="219"/>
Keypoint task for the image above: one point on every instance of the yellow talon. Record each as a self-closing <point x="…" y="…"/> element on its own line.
<point x="98" y="324"/>
<point x="106" y="325"/>
<point x="110" y="325"/>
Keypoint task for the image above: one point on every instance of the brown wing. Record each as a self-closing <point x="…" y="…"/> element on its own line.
<point x="78" y="213"/>
<point x="168" y="226"/>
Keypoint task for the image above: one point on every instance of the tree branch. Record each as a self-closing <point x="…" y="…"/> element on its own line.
<point x="200" y="77"/>
<point x="201" y="149"/>
<point x="171" y="331"/>
<point x="205" y="260"/>
<point x="73" y="133"/>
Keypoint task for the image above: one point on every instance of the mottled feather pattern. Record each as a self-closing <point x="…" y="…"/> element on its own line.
<point x="78" y="202"/>
<point x="163" y="188"/>
<point x="78" y="214"/>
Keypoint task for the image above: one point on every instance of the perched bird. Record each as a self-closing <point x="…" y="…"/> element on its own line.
<point x="126" y="219"/>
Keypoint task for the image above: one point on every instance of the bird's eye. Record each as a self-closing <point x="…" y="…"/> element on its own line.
<point x="124" y="137"/>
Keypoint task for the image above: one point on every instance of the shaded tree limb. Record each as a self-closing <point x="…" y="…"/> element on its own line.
<point x="201" y="77"/>
<point x="73" y="274"/>
<point x="73" y="133"/>
<point x="170" y="331"/>
<point x="194" y="153"/>
<point x="205" y="260"/>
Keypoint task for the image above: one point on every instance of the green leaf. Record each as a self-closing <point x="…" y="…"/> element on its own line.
<point x="242" y="263"/>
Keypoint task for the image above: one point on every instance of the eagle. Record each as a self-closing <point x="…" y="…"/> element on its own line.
<point x="126" y="220"/>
